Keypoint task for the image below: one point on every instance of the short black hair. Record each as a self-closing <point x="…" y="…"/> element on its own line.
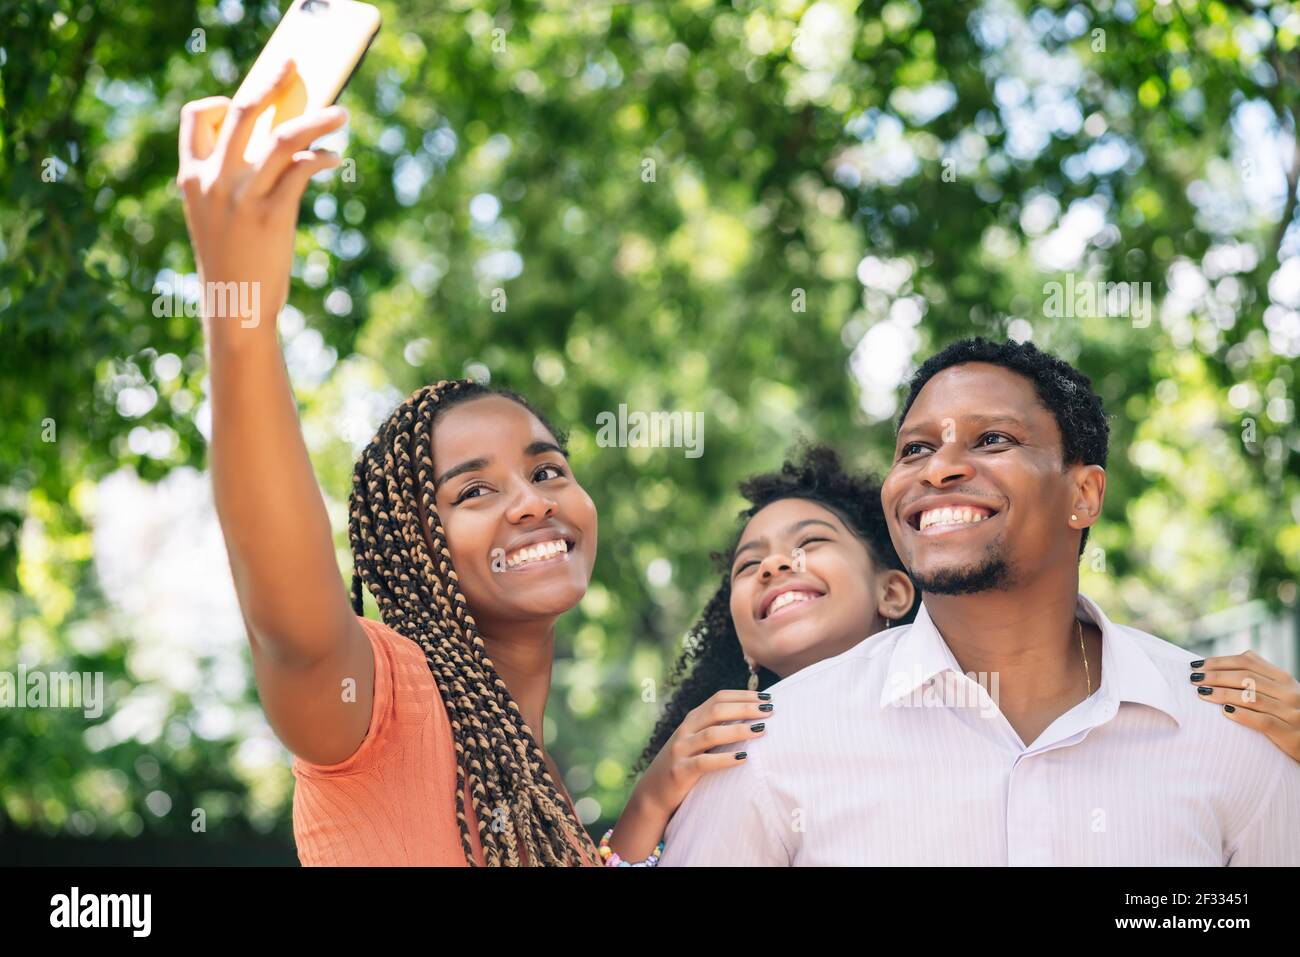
<point x="1064" y="390"/>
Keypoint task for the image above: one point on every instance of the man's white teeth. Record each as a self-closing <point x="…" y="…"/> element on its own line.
<point x="789" y="598"/>
<point x="952" y="516"/>
<point x="536" y="553"/>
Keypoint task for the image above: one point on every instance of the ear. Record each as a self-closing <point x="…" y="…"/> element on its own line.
<point x="1087" y="497"/>
<point x="894" y="594"/>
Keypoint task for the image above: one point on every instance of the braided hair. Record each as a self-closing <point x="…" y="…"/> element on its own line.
<point x="400" y="553"/>
<point x="712" y="658"/>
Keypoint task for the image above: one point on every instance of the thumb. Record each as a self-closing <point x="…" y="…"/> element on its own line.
<point x="293" y="182"/>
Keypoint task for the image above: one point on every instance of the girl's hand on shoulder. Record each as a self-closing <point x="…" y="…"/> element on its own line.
<point x="1253" y="692"/>
<point x="725" y="718"/>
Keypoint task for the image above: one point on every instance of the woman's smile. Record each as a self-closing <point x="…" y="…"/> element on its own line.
<point x="552" y="551"/>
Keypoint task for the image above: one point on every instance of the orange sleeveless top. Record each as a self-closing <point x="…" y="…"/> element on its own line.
<point x="393" y="802"/>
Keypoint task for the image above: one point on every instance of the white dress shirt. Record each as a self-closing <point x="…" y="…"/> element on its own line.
<point x="888" y="754"/>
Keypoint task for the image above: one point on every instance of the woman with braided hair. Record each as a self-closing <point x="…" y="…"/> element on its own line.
<point x="416" y="740"/>
<point x="485" y="517"/>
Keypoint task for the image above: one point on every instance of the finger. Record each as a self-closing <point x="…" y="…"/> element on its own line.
<point x="1246" y="661"/>
<point x="244" y="112"/>
<point x="291" y="138"/>
<point x="200" y="121"/>
<point x="721" y="734"/>
<point x="1279" y="732"/>
<point x="711" y="714"/>
<point x="705" y="714"/>
<point x="1250" y="681"/>
<point x="1246" y="698"/>
<point x="717" y="762"/>
<point x="306" y="164"/>
<point x="736" y="694"/>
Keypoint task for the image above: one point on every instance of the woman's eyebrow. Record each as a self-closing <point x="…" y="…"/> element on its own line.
<point x="473" y="465"/>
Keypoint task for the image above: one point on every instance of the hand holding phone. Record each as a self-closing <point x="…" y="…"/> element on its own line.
<point x="327" y="40"/>
<point x="241" y="216"/>
<point x="244" y="163"/>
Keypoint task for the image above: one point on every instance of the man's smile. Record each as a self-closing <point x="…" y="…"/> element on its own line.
<point x="945" y="515"/>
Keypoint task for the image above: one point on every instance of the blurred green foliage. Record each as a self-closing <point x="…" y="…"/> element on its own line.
<point x="761" y="211"/>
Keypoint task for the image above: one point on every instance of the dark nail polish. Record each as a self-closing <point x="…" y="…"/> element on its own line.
<point x="740" y="755"/>
<point x="764" y="696"/>
<point x="758" y="727"/>
<point x="1229" y="708"/>
<point x="1198" y="676"/>
<point x="1204" y="690"/>
<point x="1198" y="662"/>
<point x="764" y="707"/>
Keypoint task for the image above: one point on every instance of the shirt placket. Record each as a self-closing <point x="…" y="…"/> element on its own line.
<point x="1031" y="832"/>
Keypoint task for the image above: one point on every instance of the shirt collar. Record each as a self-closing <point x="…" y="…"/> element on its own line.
<point x="1127" y="672"/>
<point x="919" y="655"/>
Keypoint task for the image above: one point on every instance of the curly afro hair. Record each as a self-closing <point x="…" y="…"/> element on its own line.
<point x="712" y="659"/>
<point x="1064" y="390"/>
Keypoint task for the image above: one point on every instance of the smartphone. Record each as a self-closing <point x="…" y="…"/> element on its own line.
<point x="327" y="40"/>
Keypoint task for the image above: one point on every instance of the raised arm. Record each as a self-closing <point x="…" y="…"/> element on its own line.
<point x="242" y="217"/>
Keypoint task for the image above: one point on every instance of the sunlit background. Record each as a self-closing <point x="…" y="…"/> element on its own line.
<point x="765" y="212"/>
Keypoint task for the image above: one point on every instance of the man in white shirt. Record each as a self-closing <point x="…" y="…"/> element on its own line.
<point x="1012" y="722"/>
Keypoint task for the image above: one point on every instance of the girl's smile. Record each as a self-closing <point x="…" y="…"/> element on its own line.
<point x="785" y="599"/>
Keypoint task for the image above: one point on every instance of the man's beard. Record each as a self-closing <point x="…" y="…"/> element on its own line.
<point x="992" y="574"/>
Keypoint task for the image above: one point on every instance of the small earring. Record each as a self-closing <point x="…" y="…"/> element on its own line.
<point x="753" y="678"/>
<point x="1073" y="517"/>
<point x="889" y="622"/>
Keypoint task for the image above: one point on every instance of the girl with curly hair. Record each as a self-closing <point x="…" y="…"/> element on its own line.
<point x="812" y="529"/>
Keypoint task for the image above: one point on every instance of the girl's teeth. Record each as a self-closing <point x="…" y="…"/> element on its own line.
<point x="787" y="598"/>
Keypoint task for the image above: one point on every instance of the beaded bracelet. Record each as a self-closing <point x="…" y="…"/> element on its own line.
<point x="611" y="858"/>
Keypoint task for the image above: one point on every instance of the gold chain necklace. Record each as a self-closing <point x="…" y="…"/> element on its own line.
<point x="1087" y="673"/>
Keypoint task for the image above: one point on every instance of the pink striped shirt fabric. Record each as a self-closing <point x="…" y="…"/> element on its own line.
<point x="888" y="754"/>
